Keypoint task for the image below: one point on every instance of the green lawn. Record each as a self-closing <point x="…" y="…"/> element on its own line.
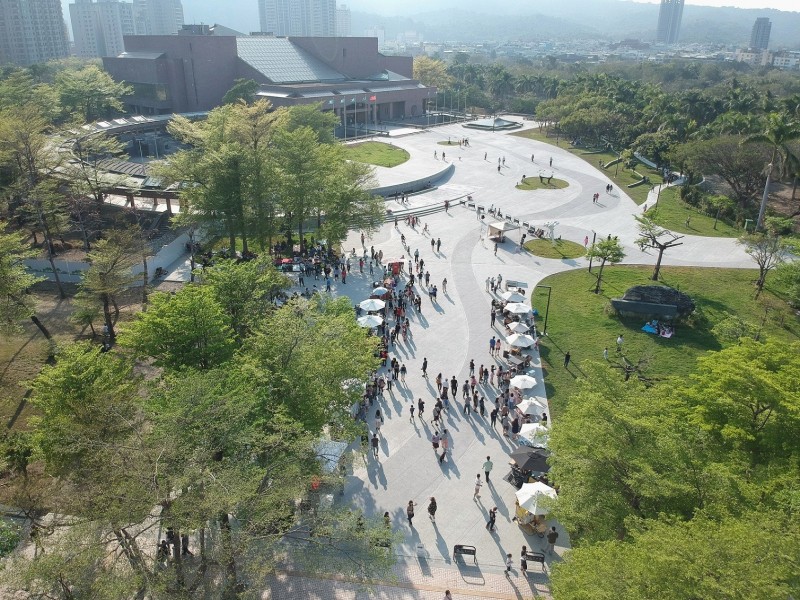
<point x="672" y="212"/>
<point x="580" y="321"/>
<point x="562" y="249"/>
<point x="534" y="183"/>
<point x="621" y="176"/>
<point x="376" y="153"/>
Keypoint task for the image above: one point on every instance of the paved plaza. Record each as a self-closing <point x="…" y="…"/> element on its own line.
<point x="452" y="332"/>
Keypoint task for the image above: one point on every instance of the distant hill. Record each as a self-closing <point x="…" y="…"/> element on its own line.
<point x="472" y="21"/>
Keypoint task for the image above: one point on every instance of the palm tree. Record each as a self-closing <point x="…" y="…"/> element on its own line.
<point x="778" y="132"/>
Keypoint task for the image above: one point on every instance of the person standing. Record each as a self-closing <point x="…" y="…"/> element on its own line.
<point x="438" y="244"/>
<point x="410" y="512"/>
<point x="567" y="359"/>
<point x="411" y="409"/>
<point x="488" y="280"/>
<point x="487" y="467"/>
<point x="552" y="536"/>
<point x="439" y="382"/>
<point x="492" y="343"/>
<point x="444" y="285"/>
<point x="478" y="484"/>
<point x="435" y="441"/>
<point x="447" y="594"/>
<point x="432" y="509"/>
<point x="620" y="340"/>
<point x="454" y="386"/>
<point x="605" y="353"/>
<point x="509" y="564"/>
<point x="445" y="444"/>
<point x="523" y="563"/>
<point x="425" y="368"/>
<point x="492" y="418"/>
<point x="403" y="372"/>
<point x="185" y="545"/>
<point x="493" y="316"/>
<point x="420" y="408"/>
<point x="378" y="422"/>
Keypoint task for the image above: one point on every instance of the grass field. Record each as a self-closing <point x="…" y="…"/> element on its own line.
<point x="376" y="153"/>
<point x="580" y="321"/>
<point x="562" y="249"/>
<point x="621" y="177"/>
<point x="671" y="213"/>
<point x="534" y="183"/>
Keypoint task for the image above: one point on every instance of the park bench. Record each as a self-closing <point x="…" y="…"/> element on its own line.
<point x="462" y="550"/>
<point x="526" y="225"/>
<point x="481" y="208"/>
<point x="470" y="205"/>
<point x="535" y="557"/>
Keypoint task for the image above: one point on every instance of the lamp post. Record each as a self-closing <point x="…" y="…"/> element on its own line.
<point x="764" y="198"/>
<point x="616" y="171"/>
<point x="594" y="237"/>
<point x="546" y="310"/>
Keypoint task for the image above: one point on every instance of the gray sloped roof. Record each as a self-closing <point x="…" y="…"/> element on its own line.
<point x="280" y="61"/>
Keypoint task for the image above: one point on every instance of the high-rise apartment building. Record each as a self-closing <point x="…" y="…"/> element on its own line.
<point x="343" y="21"/>
<point x="32" y="31"/>
<point x="759" y="37"/>
<point x="669" y="21"/>
<point x="157" y="17"/>
<point x="98" y="27"/>
<point x="308" y="18"/>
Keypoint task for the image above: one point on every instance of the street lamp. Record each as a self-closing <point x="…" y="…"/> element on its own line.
<point x="546" y="310"/>
<point x="594" y="237"/>
<point x="764" y="198"/>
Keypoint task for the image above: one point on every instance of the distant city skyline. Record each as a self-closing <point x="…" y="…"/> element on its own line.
<point x="788" y="5"/>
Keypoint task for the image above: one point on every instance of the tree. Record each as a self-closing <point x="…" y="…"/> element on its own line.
<point x="739" y="165"/>
<point x="768" y="252"/>
<point x="719" y="202"/>
<point x="90" y="93"/>
<point x="703" y="559"/>
<point x="245" y="291"/>
<point x="656" y="237"/>
<point x="322" y="122"/>
<point x="778" y="133"/>
<point x="185" y="329"/>
<point x="606" y="251"/>
<point x="431" y="72"/>
<point x="295" y="341"/>
<point x="26" y="151"/>
<point x="243" y="90"/>
<point x="108" y="276"/>
<point x="15" y="281"/>
<point x="744" y="396"/>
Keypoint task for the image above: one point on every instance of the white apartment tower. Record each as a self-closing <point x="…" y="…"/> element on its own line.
<point x="343" y="21"/>
<point x="98" y="27"/>
<point x="669" y="21"/>
<point x="315" y="18"/>
<point x="32" y="31"/>
<point x="157" y="17"/>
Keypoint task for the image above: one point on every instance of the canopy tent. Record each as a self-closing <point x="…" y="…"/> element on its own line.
<point x="369" y="321"/>
<point x="512" y="296"/>
<point x="536" y="498"/>
<point x="372" y="304"/>
<point x="531" y="459"/>
<point x="518" y="327"/>
<point x="523" y="382"/>
<point x="520" y="340"/>
<point x="531" y="406"/>
<point x="534" y="434"/>
<point x="499" y="229"/>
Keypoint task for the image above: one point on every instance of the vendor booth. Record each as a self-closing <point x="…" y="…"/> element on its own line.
<point x="497" y="231"/>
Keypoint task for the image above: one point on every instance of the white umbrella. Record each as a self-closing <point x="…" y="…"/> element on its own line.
<point x="379" y="291"/>
<point x="512" y="296"/>
<point x="518" y="327"/>
<point x="535" y="433"/>
<point x="369" y="321"/>
<point x="519" y="340"/>
<point x="536" y="498"/>
<point x="372" y="304"/>
<point x="531" y="407"/>
<point x="523" y="382"/>
<point x="517" y="309"/>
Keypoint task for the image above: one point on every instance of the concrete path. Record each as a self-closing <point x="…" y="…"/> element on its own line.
<point x="456" y="330"/>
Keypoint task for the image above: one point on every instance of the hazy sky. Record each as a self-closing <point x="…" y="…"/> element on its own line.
<point x="790" y="5"/>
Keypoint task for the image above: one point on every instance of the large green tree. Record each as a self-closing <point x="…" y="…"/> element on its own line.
<point x="15" y="283"/>
<point x="185" y="329"/>
<point x="606" y="251"/>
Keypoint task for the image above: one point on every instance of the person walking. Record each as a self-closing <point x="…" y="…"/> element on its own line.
<point x="435" y="441"/>
<point x="439" y="382"/>
<point x="552" y="536"/>
<point x="411" y="410"/>
<point x="492" y="418"/>
<point x="445" y="444"/>
<point x="493" y="316"/>
<point x="487" y="467"/>
<point x="523" y="562"/>
<point x="620" y="341"/>
<point x="492" y="342"/>
<point x="410" y="512"/>
<point x="478" y="484"/>
<point x="433" y="244"/>
<point x="378" y="422"/>
<point x="403" y="372"/>
<point x="438" y="244"/>
<point x="454" y="386"/>
<point x="567" y="358"/>
<point x="425" y="368"/>
<point x="444" y="285"/>
<point x="432" y="509"/>
<point x="420" y="408"/>
<point x="492" y="519"/>
<point x="509" y="564"/>
<point x="375" y="443"/>
<point x="488" y="282"/>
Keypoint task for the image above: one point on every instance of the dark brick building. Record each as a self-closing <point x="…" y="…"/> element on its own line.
<point x="192" y="72"/>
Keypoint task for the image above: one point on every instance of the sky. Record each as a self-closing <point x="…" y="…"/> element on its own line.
<point x="789" y="5"/>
